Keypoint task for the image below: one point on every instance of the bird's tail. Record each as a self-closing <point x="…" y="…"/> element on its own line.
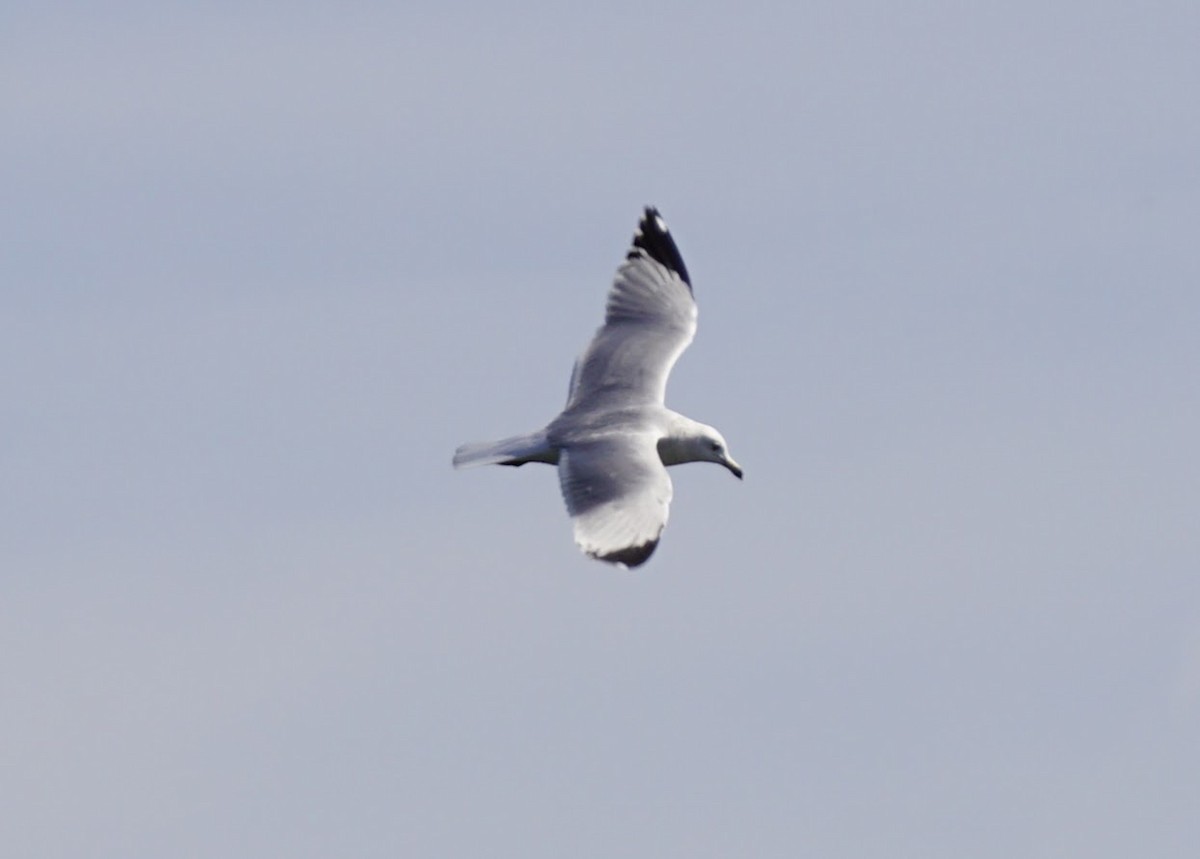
<point x="516" y="450"/>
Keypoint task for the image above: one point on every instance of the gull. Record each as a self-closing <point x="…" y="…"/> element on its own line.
<point x="615" y="437"/>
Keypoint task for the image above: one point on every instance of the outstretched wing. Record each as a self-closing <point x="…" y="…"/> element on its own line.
<point x="618" y="493"/>
<point x="649" y="320"/>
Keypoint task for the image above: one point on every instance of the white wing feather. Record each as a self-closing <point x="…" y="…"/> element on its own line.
<point x="649" y="320"/>
<point x="618" y="494"/>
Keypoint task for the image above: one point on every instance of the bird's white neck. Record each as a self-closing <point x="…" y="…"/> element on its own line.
<point x="680" y="442"/>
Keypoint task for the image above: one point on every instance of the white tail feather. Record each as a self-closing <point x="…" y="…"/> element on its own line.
<point x="516" y="450"/>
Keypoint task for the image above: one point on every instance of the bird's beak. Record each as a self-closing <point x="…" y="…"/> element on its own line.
<point x="734" y="468"/>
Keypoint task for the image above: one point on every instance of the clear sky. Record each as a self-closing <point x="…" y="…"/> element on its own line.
<point x="265" y="265"/>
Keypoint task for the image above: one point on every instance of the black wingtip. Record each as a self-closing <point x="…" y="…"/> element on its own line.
<point x="655" y="239"/>
<point x="630" y="556"/>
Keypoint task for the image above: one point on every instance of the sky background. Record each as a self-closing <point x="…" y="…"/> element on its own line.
<point x="265" y="265"/>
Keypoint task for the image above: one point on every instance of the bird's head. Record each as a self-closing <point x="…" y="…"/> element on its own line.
<point x="711" y="447"/>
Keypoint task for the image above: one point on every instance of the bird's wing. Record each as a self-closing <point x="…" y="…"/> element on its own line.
<point x="649" y="320"/>
<point x="618" y="493"/>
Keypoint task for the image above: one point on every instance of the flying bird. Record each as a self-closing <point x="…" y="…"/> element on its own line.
<point x="615" y="437"/>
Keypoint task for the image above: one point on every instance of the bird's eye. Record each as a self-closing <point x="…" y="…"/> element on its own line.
<point x="716" y="447"/>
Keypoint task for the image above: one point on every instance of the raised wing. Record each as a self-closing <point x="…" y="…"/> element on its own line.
<point x="618" y="493"/>
<point x="649" y="320"/>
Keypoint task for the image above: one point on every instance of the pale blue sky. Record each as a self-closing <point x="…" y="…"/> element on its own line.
<point x="264" y="267"/>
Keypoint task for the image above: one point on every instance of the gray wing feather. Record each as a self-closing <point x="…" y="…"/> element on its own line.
<point x="649" y="320"/>
<point x="618" y="494"/>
